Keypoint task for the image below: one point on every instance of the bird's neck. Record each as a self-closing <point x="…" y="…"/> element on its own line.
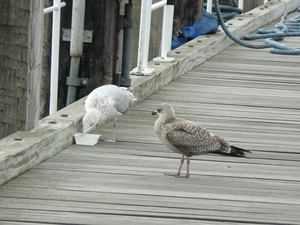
<point x="168" y="119"/>
<point x="102" y="116"/>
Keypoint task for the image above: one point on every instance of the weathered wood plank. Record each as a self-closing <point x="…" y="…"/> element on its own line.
<point x="35" y="47"/>
<point x="254" y="105"/>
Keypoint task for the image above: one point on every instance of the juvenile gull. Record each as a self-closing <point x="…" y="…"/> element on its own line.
<point x="106" y="103"/>
<point x="188" y="138"/>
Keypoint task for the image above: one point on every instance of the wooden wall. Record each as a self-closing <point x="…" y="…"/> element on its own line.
<point x="21" y="33"/>
<point x="34" y="68"/>
<point x="186" y="13"/>
<point x="13" y="65"/>
<point x="249" y="5"/>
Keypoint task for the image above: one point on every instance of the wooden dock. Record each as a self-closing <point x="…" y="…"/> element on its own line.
<point x="250" y="97"/>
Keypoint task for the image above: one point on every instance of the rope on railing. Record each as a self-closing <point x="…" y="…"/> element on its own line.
<point x="281" y="30"/>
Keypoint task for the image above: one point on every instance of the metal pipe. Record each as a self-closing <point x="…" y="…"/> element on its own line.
<point x="77" y="30"/>
<point x="167" y="26"/>
<point x="54" y="7"/>
<point x="166" y="39"/>
<point x="74" y="68"/>
<point x="241" y="4"/>
<point x="209" y="6"/>
<point x="158" y="5"/>
<point x="127" y="38"/>
<point x="144" y="37"/>
<point x="54" y="57"/>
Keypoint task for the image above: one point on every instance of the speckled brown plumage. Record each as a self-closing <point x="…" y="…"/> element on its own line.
<point x="188" y="138"/>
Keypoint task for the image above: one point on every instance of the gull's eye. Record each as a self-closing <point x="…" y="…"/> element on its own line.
<point x="158" y="110"/>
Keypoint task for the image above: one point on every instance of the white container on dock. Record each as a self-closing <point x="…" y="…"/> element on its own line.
<point x="87" y="139"/>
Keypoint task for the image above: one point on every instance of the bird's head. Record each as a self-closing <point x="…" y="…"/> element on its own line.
<point x="165" y="111"/>
<point x="90" y="120"/>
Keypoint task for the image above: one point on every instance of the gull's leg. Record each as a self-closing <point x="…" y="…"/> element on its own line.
<point x="114" y="133"/>
<point x="179" y="170"/>
<point x="187" y="167"/>
<point x="180" y="167"/>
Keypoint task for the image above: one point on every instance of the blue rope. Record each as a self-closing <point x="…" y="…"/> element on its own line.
<point x="231" y="11"/>
<point x="272" y="35"/>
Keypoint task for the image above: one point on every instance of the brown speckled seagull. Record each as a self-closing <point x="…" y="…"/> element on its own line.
<point x="188" y="138"/>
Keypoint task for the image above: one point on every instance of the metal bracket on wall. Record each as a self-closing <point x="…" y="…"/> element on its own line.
<point x="128" y="23"/>
<point x="124" y="23"/>
<point x="72" y="81"/>
<point x="87" y="35"/>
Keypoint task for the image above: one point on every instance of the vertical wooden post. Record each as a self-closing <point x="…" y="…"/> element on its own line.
<point x="35" y="46"/>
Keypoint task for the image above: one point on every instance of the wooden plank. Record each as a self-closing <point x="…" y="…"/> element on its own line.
<point x="127" y="210"/>
<point x="103" y="186"/>
<point x="35" y="43"/>
<point x="80" y="192"/>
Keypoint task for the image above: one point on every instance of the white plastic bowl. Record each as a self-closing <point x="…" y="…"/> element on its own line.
<point x="87" y="139"/>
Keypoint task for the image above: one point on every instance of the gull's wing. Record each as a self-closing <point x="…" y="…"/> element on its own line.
<point x="191" y="138"/>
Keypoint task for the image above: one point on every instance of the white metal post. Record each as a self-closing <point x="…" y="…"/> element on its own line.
<point x="54" y="7"/>
<point x="54" y="52"/>
<point x="144" y="37"/>
<point x="209" y="6"/>
<point x="166" y="39"/>
<point x="54" y="59"/>
<point x="158" y="5"/>
<point x="241" y="4"/>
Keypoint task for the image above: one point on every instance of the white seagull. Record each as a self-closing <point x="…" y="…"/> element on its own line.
<point x="106" y="103"/>
<point x="188" y="138"/>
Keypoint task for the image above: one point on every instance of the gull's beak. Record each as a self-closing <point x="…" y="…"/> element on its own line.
<point x="154" y="113"/>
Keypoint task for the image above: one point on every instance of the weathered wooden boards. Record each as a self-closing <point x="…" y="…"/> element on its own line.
<point x="35" y="43"/>
<point x="250" y="97"/>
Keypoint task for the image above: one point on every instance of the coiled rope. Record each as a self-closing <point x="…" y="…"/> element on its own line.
<point x="272" y="35"/>
<point x="230" y="11"/>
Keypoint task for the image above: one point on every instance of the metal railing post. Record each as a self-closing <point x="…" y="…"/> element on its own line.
<point x="76" y="46"/>
<point x="241" y="4"/>
<point x="54" y="52"/>
<point x="209" y="6"/>
<point x="144" y="37"/>
<point x="166" y="39"/>
<point x="127" y="40"/>
<point x="158" y="5"/>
